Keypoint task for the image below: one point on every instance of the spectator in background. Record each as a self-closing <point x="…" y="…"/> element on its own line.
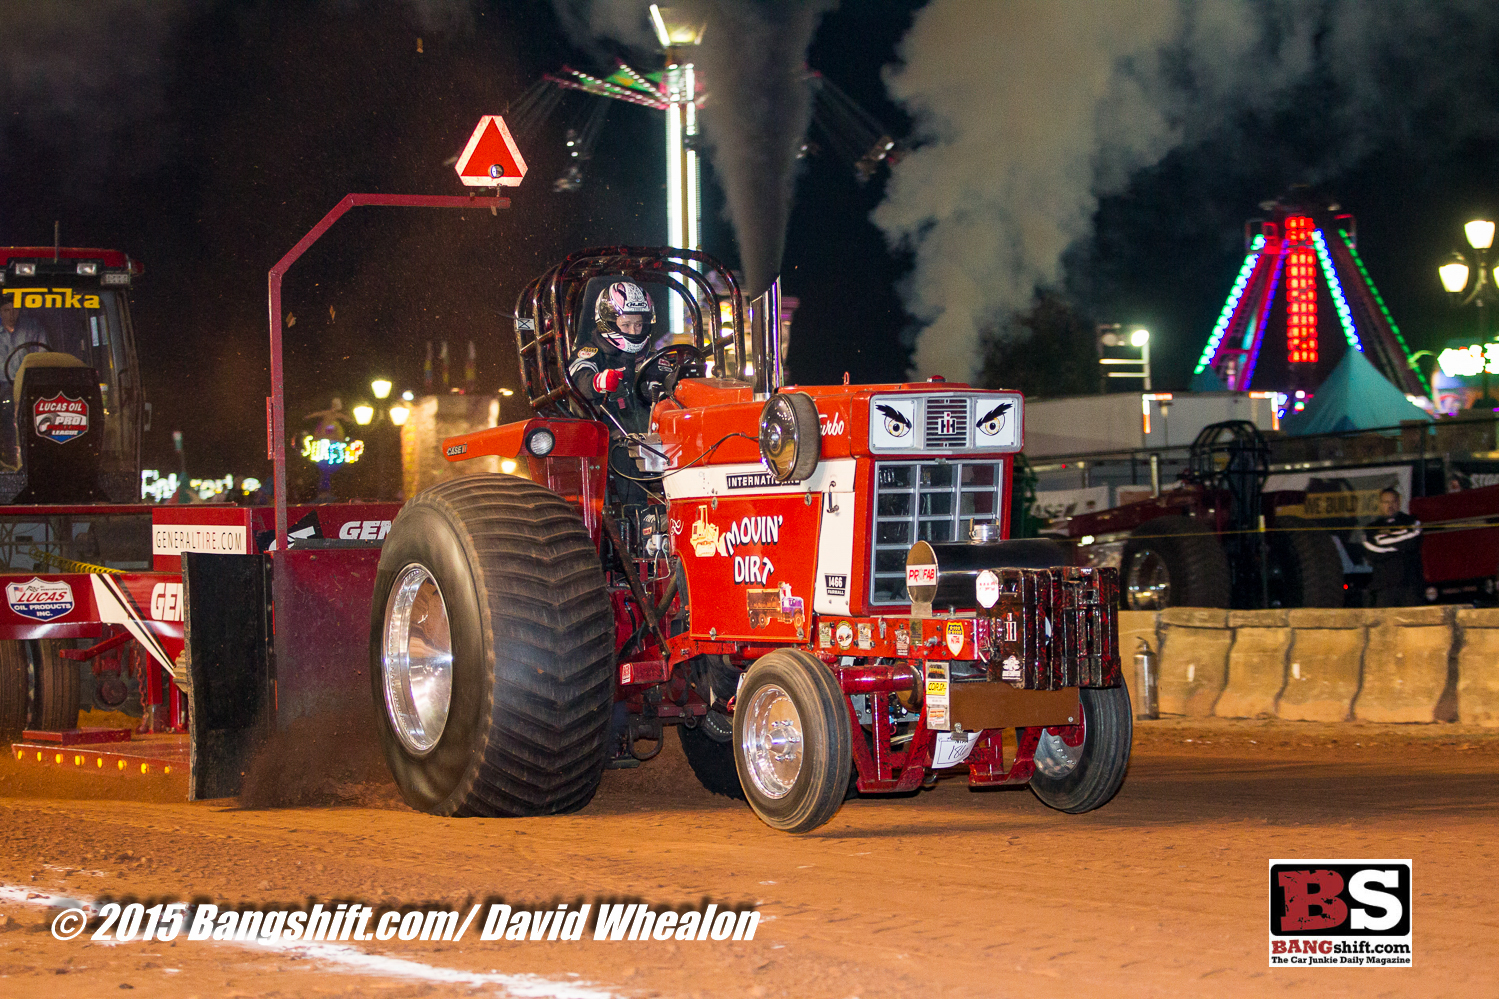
<point x="1393" y="545"/>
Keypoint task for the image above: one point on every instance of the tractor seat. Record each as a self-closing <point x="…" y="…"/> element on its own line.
<point x="42" y="359"/>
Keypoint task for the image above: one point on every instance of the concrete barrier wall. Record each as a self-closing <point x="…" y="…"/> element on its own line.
<point x="1478" y="666"/>
<point x="1256" y="664"/>
<point x="1404" y="664"/>
<point x="1194" y="660"/>
<point x="1408" y="666"/>
<point x="1327" y="656"/>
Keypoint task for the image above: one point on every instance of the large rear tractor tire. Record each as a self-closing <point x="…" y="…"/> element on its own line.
<point x="792" y="741"/>
<point x="1079" y="774"/>
<point x="1173" y="562"/>
<point x="1305" y="567"/>
<point x="709" y="745"/>
<point x="492" y="648"/>
<point x="38" y="688"/>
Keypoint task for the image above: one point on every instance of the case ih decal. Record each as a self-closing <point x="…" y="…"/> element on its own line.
<point x="40" y="599"/>
<point x="60" y="418"/>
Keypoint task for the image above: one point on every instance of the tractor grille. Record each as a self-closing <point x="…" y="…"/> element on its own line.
<point x="946" y="423"/>
<point x="925" y="501"/>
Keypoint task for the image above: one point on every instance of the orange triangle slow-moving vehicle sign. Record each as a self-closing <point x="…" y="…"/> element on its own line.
<point x="491" y="156"/>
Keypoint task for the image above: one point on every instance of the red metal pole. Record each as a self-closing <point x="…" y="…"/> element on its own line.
<point x="277" y="404"/>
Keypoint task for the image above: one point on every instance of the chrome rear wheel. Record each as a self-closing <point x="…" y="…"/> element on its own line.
<point x="418" y="660"/>
<point x="1147" y="581"/>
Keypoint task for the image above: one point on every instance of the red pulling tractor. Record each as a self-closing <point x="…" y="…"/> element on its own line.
<point x="809" y="582"/>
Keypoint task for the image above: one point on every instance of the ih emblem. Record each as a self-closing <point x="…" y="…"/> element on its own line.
<point x="60" y="418"/>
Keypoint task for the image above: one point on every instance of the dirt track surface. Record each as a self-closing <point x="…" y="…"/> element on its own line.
<point x="947" y="893"/>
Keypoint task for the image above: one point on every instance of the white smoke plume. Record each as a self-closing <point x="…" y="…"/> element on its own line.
<point x="1027" y="113"/>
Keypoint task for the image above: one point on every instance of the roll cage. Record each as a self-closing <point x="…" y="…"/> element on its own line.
<point x="547" y="309"/>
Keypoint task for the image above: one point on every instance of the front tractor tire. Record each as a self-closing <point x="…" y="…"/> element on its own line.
<point x="1077" y="771"/>
<point x="793" y="745"/>
<point x="709" y="744"/>
<point x="492" y="648"/>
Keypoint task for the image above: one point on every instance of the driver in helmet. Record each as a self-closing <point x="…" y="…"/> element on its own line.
<point x="606" y="359"/>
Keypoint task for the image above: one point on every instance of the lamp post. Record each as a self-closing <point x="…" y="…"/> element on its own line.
<point x="1472" y="268"/>
<point x="1112" y="335"/>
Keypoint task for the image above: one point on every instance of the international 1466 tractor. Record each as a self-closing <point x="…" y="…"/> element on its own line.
<point x="810" y="583"/>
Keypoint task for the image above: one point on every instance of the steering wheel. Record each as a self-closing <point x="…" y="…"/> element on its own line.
<point x="676" y="356"/>
<point x="11" y="376"/>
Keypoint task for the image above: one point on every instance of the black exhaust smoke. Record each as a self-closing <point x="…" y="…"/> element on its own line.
<point x="751" y="73"/>
<point x="753" y="61"/>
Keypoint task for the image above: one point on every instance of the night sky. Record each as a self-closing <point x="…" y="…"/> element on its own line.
<point x="205" y="139"/>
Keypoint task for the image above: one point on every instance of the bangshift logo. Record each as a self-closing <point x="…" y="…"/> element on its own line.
<point x="60" y="418"/>
<point x="1340" y="913"/>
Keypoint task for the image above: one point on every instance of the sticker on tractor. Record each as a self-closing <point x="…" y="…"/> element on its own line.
<point x="921" y="575"/>
<point x="457" y="449"/>
<point x="845" y="635"/>
<point x="832" y="424"/>
<point x="704" y="536"/>
<point x="60" y="418"/>
<point x="955" y="637"/>
<point x="949" y="751"/>
<point x="902" y="640"/>
<point x="836" y="585"/>
<point x="986" y="587"/>
<point x="936" y="697"/>
<point x="992" y="421"/>
<point x="866" y="635"/>
<point x="824" y="634"/>
<point x="758" y="480"/>
<point x="40" y="599"/>
<point x="1009" y="670"/>
<point x="780" y="604"/>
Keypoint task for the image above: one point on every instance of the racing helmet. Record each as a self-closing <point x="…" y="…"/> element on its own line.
<point x="624" y="298"/>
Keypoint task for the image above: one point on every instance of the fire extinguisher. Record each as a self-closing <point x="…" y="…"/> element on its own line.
<point x="1145" y="681"/>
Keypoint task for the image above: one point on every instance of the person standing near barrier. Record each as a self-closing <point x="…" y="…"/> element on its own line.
<point x="1393" y="543"/>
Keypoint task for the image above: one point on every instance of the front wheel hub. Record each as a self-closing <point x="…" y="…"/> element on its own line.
<point x="1056" y="756"/>
<point x="772" y="741"/>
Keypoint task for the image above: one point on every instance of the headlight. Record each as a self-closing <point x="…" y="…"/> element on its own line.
<point x="540" y="442"/>
<point x="790" y="437"/>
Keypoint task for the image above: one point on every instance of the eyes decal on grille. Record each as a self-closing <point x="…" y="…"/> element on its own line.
<point x="897" y="424"/>
<point x="992" y="422"/>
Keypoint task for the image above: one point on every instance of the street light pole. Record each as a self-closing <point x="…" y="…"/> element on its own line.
<point x="1109" y="336"/>
<point x="1455" y="276"/>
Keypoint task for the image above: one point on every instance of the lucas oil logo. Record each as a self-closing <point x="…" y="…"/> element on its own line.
<point x="60" y="418"/>
<point x="40" y="599"/>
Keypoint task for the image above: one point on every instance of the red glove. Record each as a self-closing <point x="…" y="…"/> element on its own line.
<point x="607" y="381"/>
